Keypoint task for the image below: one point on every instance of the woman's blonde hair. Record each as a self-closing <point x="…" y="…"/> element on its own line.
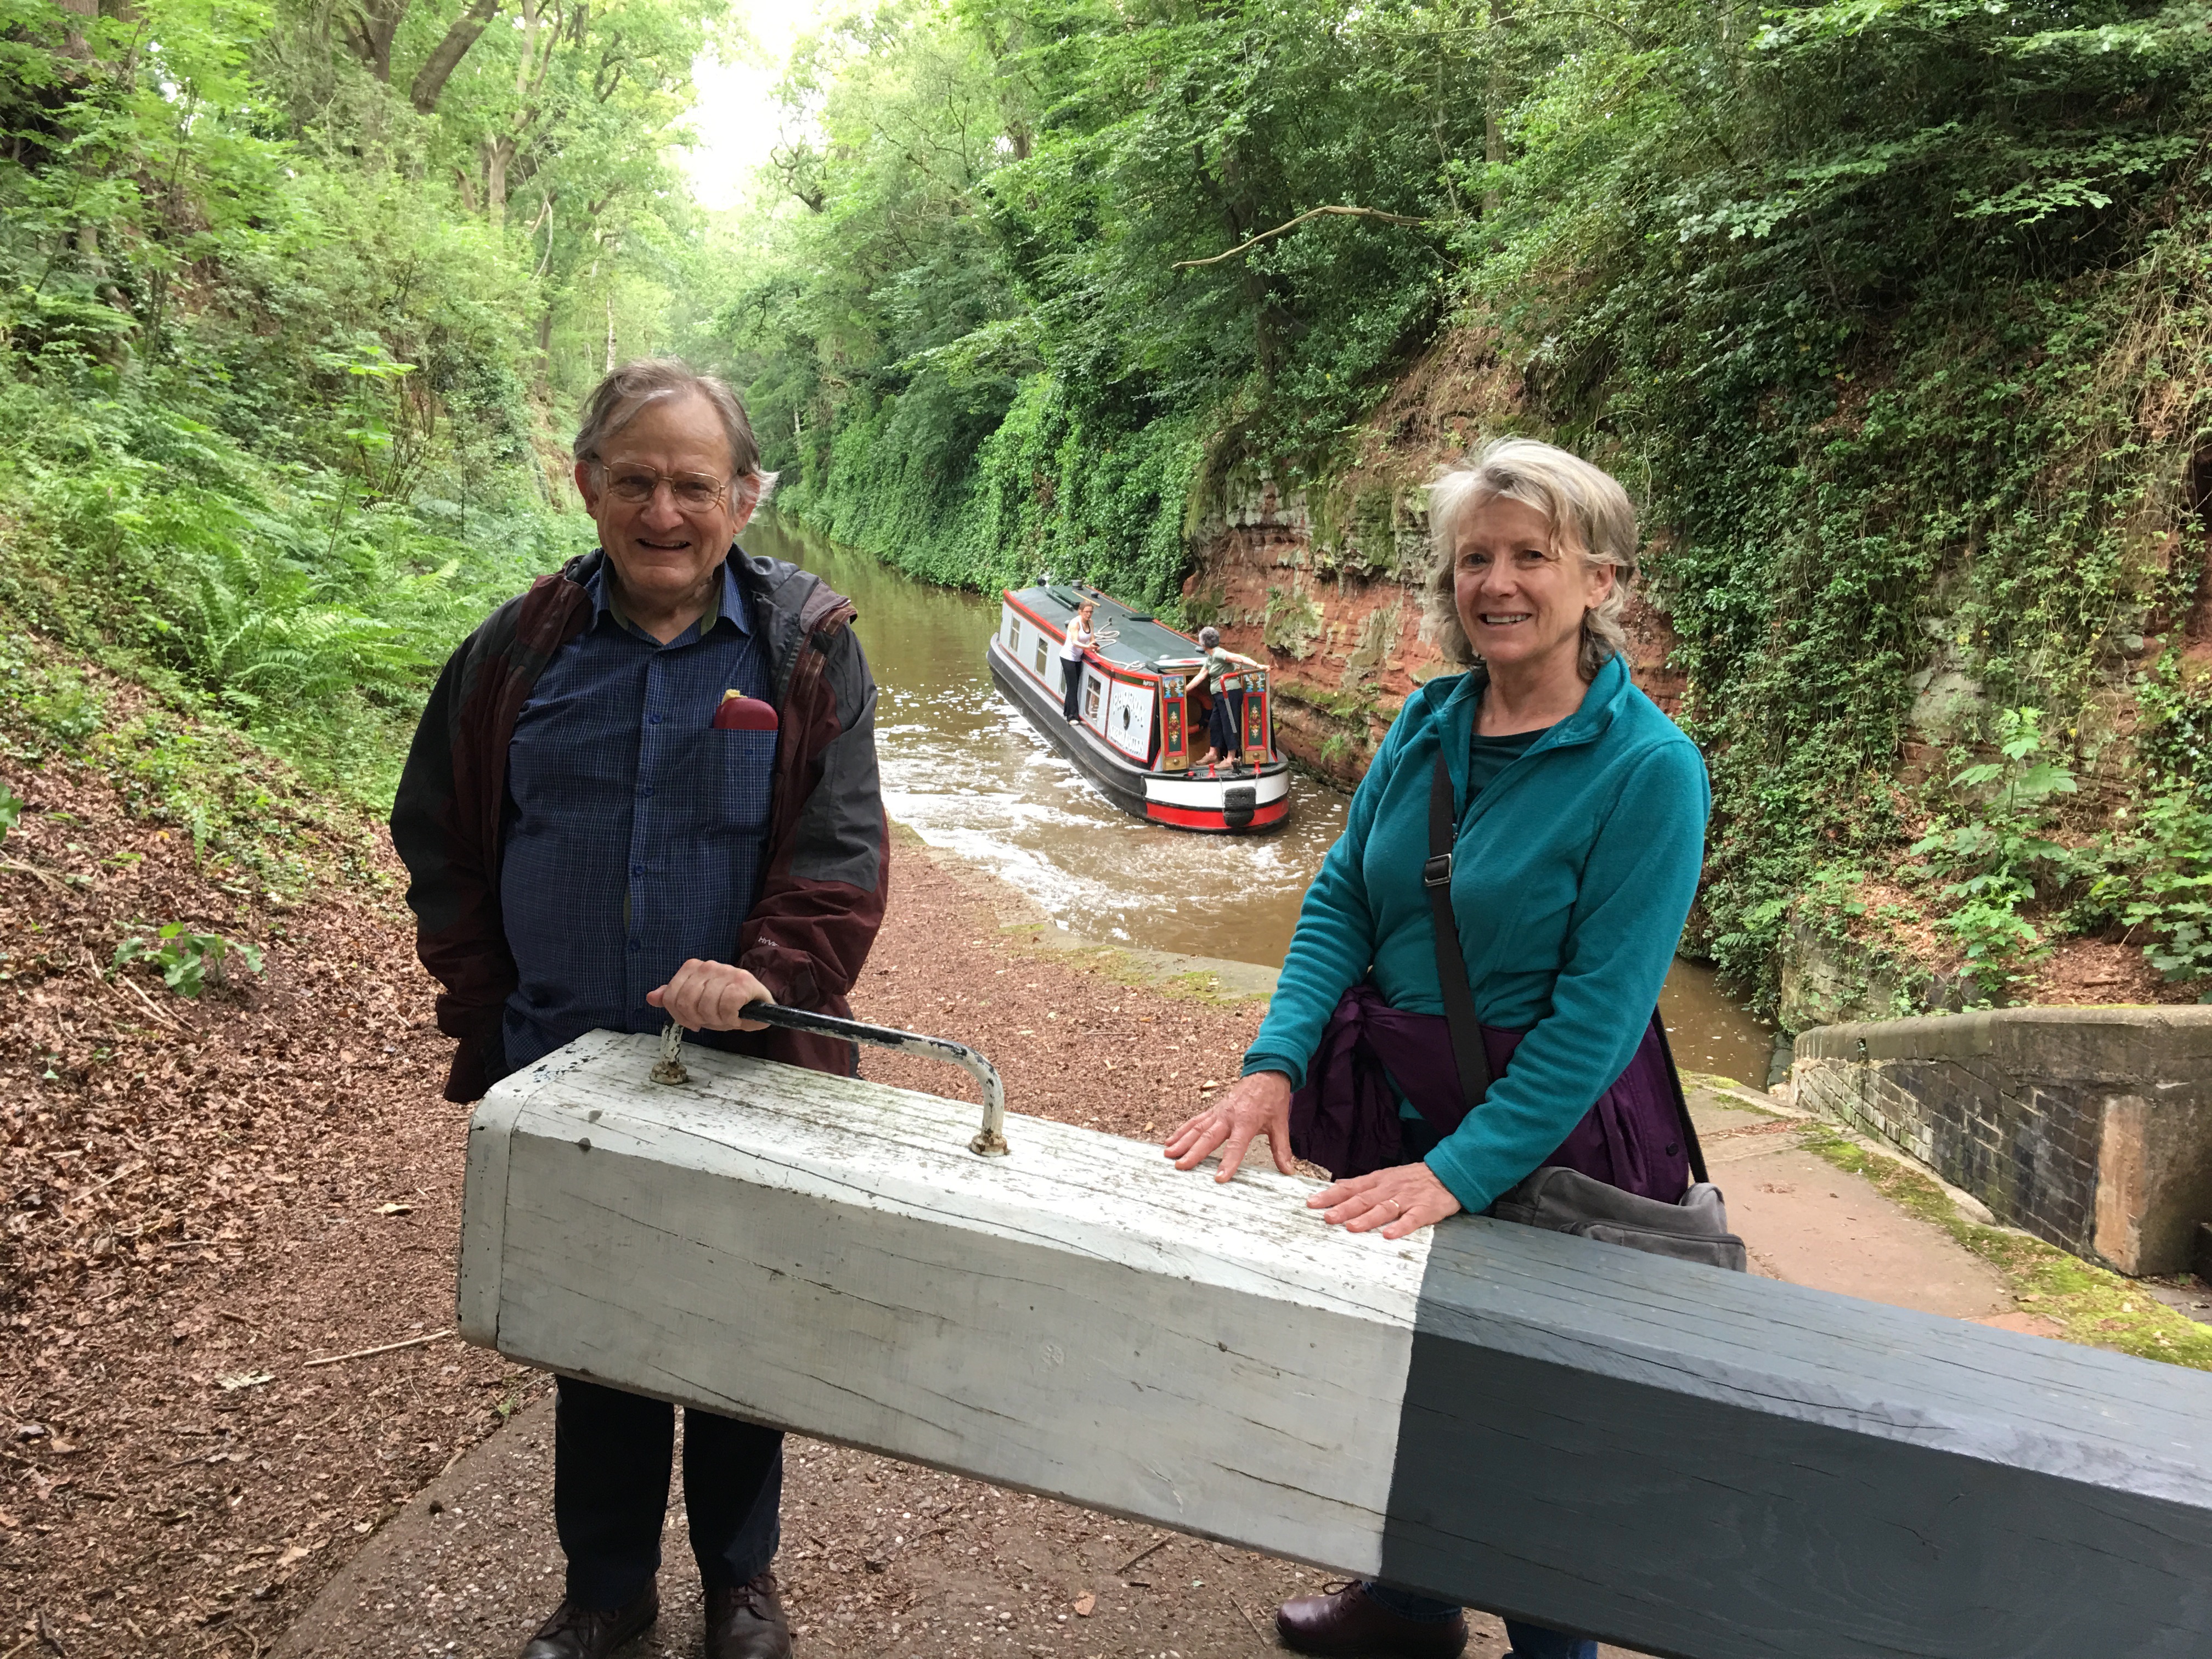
<point x="1589" y="514"/>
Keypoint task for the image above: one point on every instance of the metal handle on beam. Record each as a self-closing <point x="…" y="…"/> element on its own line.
<point x="990" y="1142"/>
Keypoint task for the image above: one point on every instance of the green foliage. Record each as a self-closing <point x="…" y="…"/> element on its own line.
<point x="11" y="810"/>
<point x="277" y="365"/>
<point x="2174" y="886"/>
<point x="2154" y="879"/>
<point x="283" y="598"/>
<point x="1993" y="861"/>
<point x="2175" y="733"/>
<point x="963" y="333"/>
<point x="188" y="961"/>
<point x="250" y="818"/>
<point x="1044" y="488"/>
<point x="1903" y="335"/>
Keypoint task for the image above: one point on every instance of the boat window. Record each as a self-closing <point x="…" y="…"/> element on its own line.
<point x="1013" y="631"/>
<point x="1091" y="689"/>
<point x="1040" y="654"/>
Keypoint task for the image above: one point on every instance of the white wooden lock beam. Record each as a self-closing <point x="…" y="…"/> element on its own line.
<point x="1687" y="1462"/>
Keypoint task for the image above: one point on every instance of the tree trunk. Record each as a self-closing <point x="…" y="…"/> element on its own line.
<point x="497" y="153"/>
<point x="74" y="42"/>
<point x="545" y="351"/>
<point x="1494" y="96"/>
<point x="370" y="32"/>
<point x="445" y="58"/>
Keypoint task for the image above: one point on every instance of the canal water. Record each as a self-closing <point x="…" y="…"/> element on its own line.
<point x="966" y="773"/>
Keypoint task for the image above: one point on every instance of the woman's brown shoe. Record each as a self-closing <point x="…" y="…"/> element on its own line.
<point x="1350" y="1621"/>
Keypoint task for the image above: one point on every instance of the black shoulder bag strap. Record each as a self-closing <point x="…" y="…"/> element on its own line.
<point x="1451" y="963"/>
<point x="1681" y="1103"/>
<point x="1459" y="996"/>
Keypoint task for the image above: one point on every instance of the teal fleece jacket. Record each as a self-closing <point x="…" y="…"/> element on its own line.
<point x="1572" y="873"/>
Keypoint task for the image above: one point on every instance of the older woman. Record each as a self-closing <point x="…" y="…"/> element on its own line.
<point x="1576" y="827"/>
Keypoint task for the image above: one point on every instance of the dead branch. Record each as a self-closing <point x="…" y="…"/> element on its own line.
<point x="388" y="1347"/>
<point x="46" y="876"/>
<point x="1142" y="1553"/>
<point x="1311" y="213"/>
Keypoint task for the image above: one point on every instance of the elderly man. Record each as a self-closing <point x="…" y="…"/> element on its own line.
<point x="644" y="790"/>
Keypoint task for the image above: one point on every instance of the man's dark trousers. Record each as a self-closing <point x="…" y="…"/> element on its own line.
<point x="611" y="1452"/>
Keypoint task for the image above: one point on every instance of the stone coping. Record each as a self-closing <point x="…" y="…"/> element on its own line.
<point x="2104" y="1040"/>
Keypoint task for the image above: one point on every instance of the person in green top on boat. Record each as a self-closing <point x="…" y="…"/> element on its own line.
<point x="1578" y="819"/>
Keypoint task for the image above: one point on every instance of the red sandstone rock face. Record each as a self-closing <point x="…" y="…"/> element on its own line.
<point x="1651" y="646"/>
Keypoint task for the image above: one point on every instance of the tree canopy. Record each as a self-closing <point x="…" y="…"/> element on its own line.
<point x="1891" y="312"/>
<point x="295" y="298"/>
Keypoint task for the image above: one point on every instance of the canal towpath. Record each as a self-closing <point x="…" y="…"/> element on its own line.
<point x="891" y="1561"/>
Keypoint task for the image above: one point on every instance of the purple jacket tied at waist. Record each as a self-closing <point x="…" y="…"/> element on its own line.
<point x="1346" y="1118"/>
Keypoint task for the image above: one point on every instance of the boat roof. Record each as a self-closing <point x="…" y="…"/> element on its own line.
<point x="1143" y="641"/>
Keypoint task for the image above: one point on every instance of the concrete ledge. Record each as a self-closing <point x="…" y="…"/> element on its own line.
<point x="2091" y="1127"/>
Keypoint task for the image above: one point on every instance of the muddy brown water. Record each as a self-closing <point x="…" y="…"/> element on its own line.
<point x="968" y="774"/>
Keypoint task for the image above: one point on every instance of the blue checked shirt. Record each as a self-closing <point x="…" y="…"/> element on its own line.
<point x="634" y="829"/>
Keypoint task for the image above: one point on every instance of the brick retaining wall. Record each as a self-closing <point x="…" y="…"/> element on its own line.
<point x="2091" y="1127"/>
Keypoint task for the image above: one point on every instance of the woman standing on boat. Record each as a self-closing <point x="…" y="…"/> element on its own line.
<point x="1225" y="726"/>
<point x="1577" y="826"/>
<point x="1080" y="638"/>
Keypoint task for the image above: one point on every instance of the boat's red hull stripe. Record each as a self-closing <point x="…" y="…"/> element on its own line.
<point x="1203" y="817"/>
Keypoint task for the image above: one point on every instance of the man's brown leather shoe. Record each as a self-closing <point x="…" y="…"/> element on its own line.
<point x="1352" y="1622"/>
<point x="574" y="1633"/>
<point x="746" y="1621"/>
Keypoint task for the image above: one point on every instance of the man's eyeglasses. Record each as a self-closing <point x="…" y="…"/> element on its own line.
<point x="692" y="492"/>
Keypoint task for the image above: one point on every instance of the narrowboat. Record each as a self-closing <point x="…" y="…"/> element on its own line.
<point x="1141" y="711"/>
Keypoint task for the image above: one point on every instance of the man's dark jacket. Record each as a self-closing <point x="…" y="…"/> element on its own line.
<point x="824" y="863"/>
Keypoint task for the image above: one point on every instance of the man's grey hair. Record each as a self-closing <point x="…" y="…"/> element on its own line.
<point x="1590" y="516"/>
<point x="1209" y="637"/>
<point x="624" y="394"/>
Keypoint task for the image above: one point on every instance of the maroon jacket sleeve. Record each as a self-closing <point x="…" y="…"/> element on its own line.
<point x="444" y="827"/>
<point x="828" y="873"/>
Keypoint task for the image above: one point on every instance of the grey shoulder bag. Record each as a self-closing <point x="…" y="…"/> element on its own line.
<point x="1556" y="1198"/>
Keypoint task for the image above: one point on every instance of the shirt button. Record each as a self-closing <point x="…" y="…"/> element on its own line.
<point x="637" y="944"/>
<point x="653" y="719"/>
<point x="647" y="790"/>
<point x="637" y="869"/>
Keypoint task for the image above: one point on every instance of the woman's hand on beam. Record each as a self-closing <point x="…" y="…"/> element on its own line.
<point x="1252" y="1106"/>
<point x="1399" y="1200"/>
